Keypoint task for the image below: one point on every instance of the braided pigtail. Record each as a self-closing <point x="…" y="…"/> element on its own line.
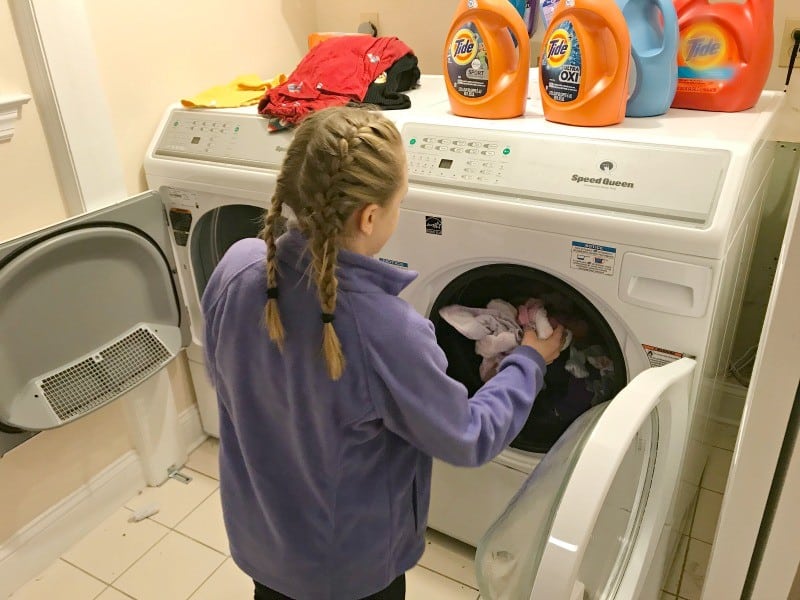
<point x="324" y="255"/>
<point x="272" y="316"/>
<point x="351" y="159"/>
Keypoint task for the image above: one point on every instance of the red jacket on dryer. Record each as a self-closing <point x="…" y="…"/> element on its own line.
<point x="333" y="73"/>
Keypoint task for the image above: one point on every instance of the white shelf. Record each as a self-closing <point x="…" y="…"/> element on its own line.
<point x="10" y="111"/>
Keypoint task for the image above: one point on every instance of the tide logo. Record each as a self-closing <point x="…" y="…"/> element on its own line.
<point x="704" y="46"/>
<point x="463" y="47"/>
<point x="558" y="48"/>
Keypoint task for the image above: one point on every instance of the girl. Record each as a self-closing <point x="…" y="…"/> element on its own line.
<point x="329" y="417"/>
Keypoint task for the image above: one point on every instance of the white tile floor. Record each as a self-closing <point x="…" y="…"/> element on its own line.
<point x="181" y="552"/>
<point x="685" y="581"/>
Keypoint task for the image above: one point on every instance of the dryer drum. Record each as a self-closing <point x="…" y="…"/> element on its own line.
<point x="556" y="406"/>
<point x="218" y="230"/>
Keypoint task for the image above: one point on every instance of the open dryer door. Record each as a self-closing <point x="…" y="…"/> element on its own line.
<point x="89" y="309"/>
<point x="588" y="522"/>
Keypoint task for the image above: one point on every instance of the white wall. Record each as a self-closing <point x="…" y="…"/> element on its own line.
<point x="422" y="24"/>
<point x="151" y="53"/>
<point x="26" y="202"/>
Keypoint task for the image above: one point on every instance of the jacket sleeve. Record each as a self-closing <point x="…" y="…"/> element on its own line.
<point x="419" y="402"/>
<point x="212" y="305"/>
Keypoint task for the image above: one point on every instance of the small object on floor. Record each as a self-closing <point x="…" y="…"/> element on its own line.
<point x="143" y="513"/>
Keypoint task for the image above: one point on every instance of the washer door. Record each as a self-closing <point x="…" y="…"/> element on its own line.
<point x="89" y="308"/>
<point x="588" y="522"/>
<point x="565" y="396"/>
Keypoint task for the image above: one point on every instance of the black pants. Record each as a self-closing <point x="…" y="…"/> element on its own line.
<point x="395" y="591"/>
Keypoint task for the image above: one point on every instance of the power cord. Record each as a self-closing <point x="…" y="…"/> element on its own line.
<point x="738" y="367"/>
<point x="795" y="50"/>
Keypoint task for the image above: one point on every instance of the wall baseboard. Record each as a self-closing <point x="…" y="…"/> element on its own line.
<point x="39" y="543"/>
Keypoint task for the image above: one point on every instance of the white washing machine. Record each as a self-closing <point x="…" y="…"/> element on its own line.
<point x="647" y="228"/>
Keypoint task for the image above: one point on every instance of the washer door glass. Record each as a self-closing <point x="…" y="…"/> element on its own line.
<point x="573" y="384"/>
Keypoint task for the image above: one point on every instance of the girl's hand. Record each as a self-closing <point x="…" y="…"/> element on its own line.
<point x="549" y="348"/>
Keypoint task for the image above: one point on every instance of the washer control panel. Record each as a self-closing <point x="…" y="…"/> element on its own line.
<point x="654" y="181"/>
<point x="466" y="159"/>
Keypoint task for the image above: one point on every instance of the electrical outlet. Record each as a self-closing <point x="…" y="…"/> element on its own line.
<point x="787" y="43"/>
<point x="369" y="18"/>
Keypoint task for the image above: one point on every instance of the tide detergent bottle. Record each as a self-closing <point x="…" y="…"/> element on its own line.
<point x="725" y="53"/>
<point x="653" y="27"/>
<point x="487" y="60"/>
<point x="586" y="55"/>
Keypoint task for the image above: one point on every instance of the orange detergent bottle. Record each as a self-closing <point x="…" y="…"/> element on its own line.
<point x="585" y="65"/>
<point x="725" y="53"/>
<point x="487" y="60"/>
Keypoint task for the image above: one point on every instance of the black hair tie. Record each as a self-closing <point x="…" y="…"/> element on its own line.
<point x="272" y="293"/>
<point x="327" y="317"/>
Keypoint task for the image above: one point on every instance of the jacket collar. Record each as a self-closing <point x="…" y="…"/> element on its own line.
<point x="356" y="272"/>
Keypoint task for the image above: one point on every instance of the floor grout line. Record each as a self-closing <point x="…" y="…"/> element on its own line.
<point x="188" y="537"/>
<point x="146" y="552"/>
<point x="205" y="581"/>
<point x="216" y="489"/>
<point x="84" y="571"/>
<point x="447" y="577"/>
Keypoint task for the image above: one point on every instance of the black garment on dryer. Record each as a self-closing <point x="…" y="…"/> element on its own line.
<point x="384" y="92"/>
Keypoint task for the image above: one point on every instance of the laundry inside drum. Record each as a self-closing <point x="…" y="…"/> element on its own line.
<point x="592" y="370"/>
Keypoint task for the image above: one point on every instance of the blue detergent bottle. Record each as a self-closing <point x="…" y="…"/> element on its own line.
<point x="527" y="10"/>
<point x="653" y="26"/>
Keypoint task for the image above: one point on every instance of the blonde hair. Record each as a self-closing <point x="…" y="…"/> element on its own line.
<point x="340" y="160"/>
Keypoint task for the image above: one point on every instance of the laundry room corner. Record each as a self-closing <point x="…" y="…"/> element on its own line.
<point x="678" y="277"/>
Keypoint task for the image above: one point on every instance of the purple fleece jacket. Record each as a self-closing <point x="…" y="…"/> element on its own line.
<point x="325" y="485"/>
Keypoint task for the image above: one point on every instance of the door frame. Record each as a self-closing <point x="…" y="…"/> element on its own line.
<point x="76" y="118"/>
<point x="72" y="104"/>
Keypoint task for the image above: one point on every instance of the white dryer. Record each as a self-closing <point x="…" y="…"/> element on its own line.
<point x="647" y="228"/>
<point x="216" y="171"/>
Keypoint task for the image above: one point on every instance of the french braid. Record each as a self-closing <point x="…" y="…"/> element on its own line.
<point x="351" y="158"/>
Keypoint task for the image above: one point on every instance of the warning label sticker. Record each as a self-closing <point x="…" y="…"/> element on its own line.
<point x="593" y="258"/>
<point x="659" y="357"/>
